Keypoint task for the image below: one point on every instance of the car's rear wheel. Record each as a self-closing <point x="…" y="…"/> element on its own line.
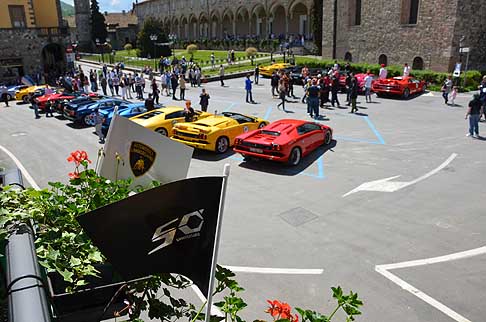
<point x="222" y="144"/>
<point x="406" y="93"/>
<point x="162" y="131"/>
<point x="25" y="98"/>
<point x="327" y="138"/>
<point x="261" y="125"/>
<point x="295" y="157"/>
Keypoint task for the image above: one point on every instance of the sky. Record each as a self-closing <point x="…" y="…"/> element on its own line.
<point x="111" y="5"/>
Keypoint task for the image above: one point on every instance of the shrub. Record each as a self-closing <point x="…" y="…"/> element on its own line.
<point x="128" y="47"/>
<point x="251" y="52"/>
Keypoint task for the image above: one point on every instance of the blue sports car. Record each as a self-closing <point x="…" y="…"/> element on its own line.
<point x="83" y="114"/>
<point x="11" y="91"/>
<point x="125" y="111"/>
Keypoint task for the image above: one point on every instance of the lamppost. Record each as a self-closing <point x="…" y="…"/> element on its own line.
<point x="97" y="41"/>
<point x="172" y="38"/>
<point x="154" y="38"/>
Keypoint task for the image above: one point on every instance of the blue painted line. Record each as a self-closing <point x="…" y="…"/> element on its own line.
<point x="268" y="112"/>
<point x="345" y="138"/>
<point x="373" y="128"/>
<point x="320" y="170"/>
<point x="229" y="107"/>
<point x="236" y="157"/>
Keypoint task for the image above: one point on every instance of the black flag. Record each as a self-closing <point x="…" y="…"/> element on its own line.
<point x="170" y="229"/>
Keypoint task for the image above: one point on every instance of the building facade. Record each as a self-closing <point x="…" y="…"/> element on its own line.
<point x="426" y="34"/>
<point x="211" y="19"/>
<point x="32" y="39"/>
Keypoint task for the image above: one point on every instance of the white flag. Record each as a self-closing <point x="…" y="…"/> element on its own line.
<point x="132" y="151"/>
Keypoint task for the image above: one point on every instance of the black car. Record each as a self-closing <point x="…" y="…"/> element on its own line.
<point x="82" y="114"/>
<point x="78" y="101"/>
<point x="296" y="74"/>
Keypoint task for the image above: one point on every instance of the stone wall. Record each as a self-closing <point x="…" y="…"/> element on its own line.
<point x="83" y="24"/>
<point x="434" y="38"/>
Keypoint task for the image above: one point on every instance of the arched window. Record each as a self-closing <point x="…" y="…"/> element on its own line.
<point x="418" y="63"/>
<point x="383" y="59"/>
<point x="348" y="56"/>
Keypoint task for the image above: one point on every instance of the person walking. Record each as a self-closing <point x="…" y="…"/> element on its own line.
<point x="98" y="121"/>
<point x="334" y="91"/>
<point x="48" y="108"/>
<point x="354" y="94"/>
<point x="383" y="72"/>
<point x="174" y="83"/>
<point x="212" y="60"/>
<point x="204" y="100"/>
<point x="221" y="74"/>
<point x="482" y="95"/>
<point x="274" y="81"/>
<point x="349" y="75"/>
<point x="367" y="84"/>
<point x="256" y="74"/>
<point x="313" y="100"/>
<point x="454" y="95"/>
<point x="474" y="113"/>
<point x="155" y="91"/>
<point x="248" y="87"/>
<point x="306" y="89"/>
<point x="4" y="94"/>
<point x="34" y="106"/>
<point x="446" y="89"/>
<point x="182" y="87"/>
<point x="282" y="93"/>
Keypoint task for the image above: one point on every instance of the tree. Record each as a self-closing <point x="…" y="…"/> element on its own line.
<point x="98" y="26"/>
<point x="128" y="47"/>
<point x="316" y="24"/>
<point x="152" y="26"/>
<point x="251" y="53"/>
<point x="191" y="50"/>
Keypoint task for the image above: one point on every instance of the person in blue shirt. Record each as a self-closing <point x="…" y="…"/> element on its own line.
<point x="248" y="85"/>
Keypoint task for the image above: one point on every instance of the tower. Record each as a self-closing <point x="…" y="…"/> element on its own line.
<point x="83" y="27"/>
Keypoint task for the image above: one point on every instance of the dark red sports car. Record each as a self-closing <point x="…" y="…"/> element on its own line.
<point x="283" y="141"/>
<point x="360" y="78"/>
<point x="403" y="86"/>
<point x="57" y="98"/>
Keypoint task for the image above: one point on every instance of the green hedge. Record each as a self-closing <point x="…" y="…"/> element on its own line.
<point x="472" y="80"/>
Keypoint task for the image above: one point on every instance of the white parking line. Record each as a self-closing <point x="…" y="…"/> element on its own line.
<point x="384" y="270"/>
<point x="19" y="165"/>
<point x="270" y="270"/>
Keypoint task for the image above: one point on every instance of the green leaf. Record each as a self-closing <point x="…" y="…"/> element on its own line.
<point x="67" y="275"/>
<point x="75" y="261"/>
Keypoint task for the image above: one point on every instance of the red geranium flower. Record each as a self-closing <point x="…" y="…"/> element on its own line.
<point x="73" y="175"/>
<point x="78" y="156"/>
<point x="281" y="310"/>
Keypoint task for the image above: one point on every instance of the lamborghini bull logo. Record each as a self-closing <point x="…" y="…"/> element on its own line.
<point x="142" y="158"/>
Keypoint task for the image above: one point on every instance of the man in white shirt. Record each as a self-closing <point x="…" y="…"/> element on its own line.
<point x="383" y="72"/>
<point x="367" y="84"/>
<point x="406" y="70"/>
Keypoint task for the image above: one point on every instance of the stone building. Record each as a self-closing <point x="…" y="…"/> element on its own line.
<point x="193" y="19"/>
<point x="83" y="23"/>
<point x="423" y="33"/>
<point x="33" y="39"/>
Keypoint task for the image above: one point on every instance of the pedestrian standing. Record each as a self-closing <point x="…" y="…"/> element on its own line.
<point x="110" y="85"/>
<point x="4" y="94"/>
<point x="192" y="77"/>
<point x="204" y="100"/>
<point x="212" y="60"/>
<point x="167" y="81"/>
<point x="103" y="84"/>
<point x="116" y="83"/>
<point x="482" y="95"/>
<point x="174" y="84"/>
<point x="282" y="93"/>
<point x="198" y="76"/>
<point x="233" y="57"/>
<point x="86" y="85"/>
<point x="274" y="81"/>
<point x="130" y="83"/>
<point x="354" y="94"/>
<point x="383" y="72"/>
<point x="446" y="89"/>
<point x="313" y="100"/>
<point x="123" y="88"/>
<point x="98" y="121"/>
<point x="454" y="95"/>
<point x="367" y="84"/>
<point x="306" y="89"/>
<point x="138" y="86"/>
<point x="149" y="103"/>
<point x="155" y="91"/>
<point x="348" y="88"/>
<point x="406" y="70"/>
<point x="257" y="74"/>
<point x="182" y="87"/>
<point x="248" y="86"/>
<point x="334" y="91"/>
<point x="474" y="113"/>
<point x="34" y="106"/>
<point x="221" y="74"/>
<point x="48" y="108"/>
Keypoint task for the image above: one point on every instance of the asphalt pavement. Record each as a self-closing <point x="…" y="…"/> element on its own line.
<point x="297" y="218"/>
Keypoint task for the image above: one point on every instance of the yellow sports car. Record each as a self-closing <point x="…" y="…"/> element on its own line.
<point x="217" y="132"/>
<point x="23" y="95"/>
<point x="268" y="70"/>
<point x="162" y="120"/>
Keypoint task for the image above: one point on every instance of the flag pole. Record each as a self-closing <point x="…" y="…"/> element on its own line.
<point x="115" y="115"/>
<point x="214" y="262"/>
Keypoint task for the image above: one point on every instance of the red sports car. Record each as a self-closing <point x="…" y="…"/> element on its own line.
<point x="403" y="86"/>
<point x="283" y="141"/>
<point x="57" y="98"/>
<point x="361" y="82"/>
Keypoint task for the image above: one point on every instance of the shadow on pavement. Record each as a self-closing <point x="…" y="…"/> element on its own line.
<point x="284" y="169"/>
<point x="205" y="155"/>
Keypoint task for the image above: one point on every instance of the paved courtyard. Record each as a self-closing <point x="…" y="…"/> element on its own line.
<point x="306" y="218"/>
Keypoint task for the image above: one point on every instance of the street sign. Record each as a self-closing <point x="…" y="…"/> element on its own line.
<point x="457" y="70"/>
<point x="464" y="50"/>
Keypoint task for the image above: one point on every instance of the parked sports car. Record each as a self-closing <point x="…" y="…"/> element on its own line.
<point x="13" y="90"/>
<point x="83" y="114"/>
<point x="296" y="74"/>
<point x="283" y="141"/>
<point x="266" y="71"/>
<point x="162" y="120"/>
<point x="23" y="94"/>
<point x="403" y="86"/>
<point x="217" y="132"/>
<point x="80" y="99"/>
<point x="127" y="111"/>
<point x="360" y="78"/>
